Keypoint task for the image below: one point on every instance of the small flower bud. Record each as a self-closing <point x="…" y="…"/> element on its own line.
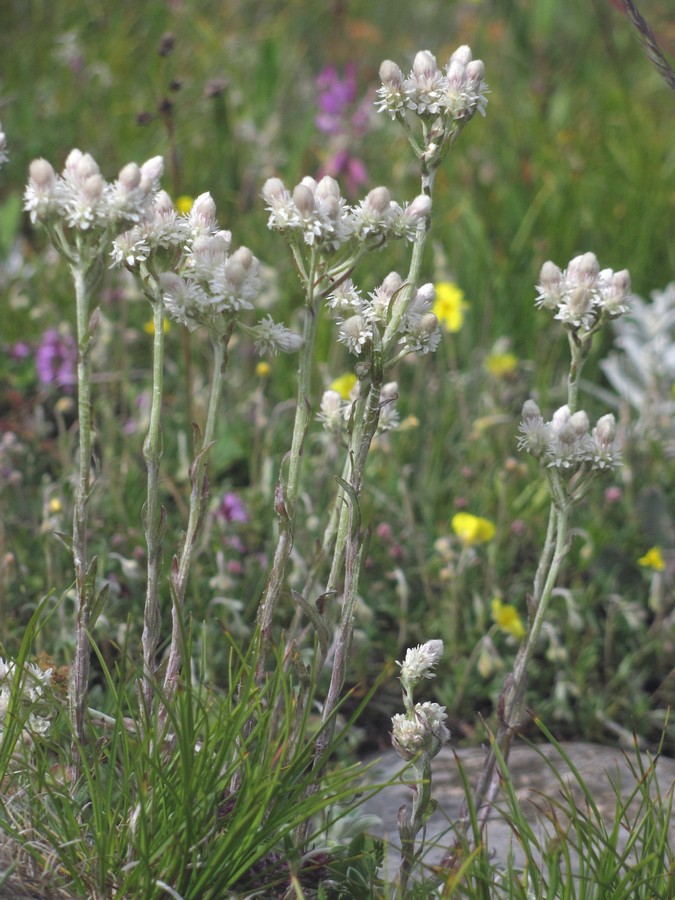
<point x="425" y="295"/>
<point x="391" y="75"/>
<point x="462" y="54"/>
<point x="243" y="256"/>
<point x="274" y="191"/>
<point x="129" y="177"/>
<point x="605" y="430"/>
<point x="420" y="208"/>
<point x="475" y="73"/>
<point x="378" y="199"/>
<point x="584" y="269"/>
<point x="202" y="216"/>
<point x="424" y="64"/>
<point x="531" y="412"/>
<point x="579" y="423"/>
<point x="392" y="283"/>
<point x="42" y="174"/>
<point x="327" y="187"/>
<point x="560" y="418"/>
<point x="303" y="199"/>
<point x="151" y="171"/>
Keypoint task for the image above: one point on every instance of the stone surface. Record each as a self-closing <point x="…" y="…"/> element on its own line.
<point x="604" y="771"/>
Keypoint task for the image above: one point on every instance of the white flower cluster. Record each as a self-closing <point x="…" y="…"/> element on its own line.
<point x="34" y="681"/>
<point x="642" y="368"/>
<point x="316" y="212"/>
<point x="424" y="730"/>
<point x="583" y="292"/>
<point x="455" y="92"/>
<point x="567" y="441"/>
<point x="4" y="155"/>
<point x="161" y="228"/>
<point x="335" y="412"/>
<point x="212" y="280"/>
<point x="82" y="198"/>
<point x="360" y="317"/>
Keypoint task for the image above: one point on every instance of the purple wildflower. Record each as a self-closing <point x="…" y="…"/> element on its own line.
<point x="231" y="509"/>
<point x="56" y="358"/>
<point x="20" y="350"/>
<point x="346" y="168"/>
<point x="345" y="122"/>
<point x="334" y="95"/>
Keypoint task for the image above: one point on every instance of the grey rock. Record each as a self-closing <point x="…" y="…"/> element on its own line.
<point x="605" y="772"/>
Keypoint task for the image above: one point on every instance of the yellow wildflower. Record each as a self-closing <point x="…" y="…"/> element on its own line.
<point x="343" y="384"/>
<point x="449" y="305"/>
<point x="653" y="559"/>
<point x="409" y="423"/>
<point x="263" y="369"/>
<point x="507" y="618"/>
<point x="184" y="204"/>
<point x="55" y="505"/>
<point x="501" y="364"/>
<point x="472" y="529"/>
<point x="149" y="326"/>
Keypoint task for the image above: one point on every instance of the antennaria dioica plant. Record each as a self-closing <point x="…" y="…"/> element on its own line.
<point x="188" y="271"/>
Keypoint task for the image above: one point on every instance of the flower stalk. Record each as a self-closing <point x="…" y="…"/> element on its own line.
<point x="153" y="513"/>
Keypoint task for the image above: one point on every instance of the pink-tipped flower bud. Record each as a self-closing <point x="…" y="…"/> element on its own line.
<point x="163" y="204"/>
<point x="425" y="295"/>
<point x="531" y="412"/>
<point x="462" y="54"/>
<point x="85" y="166"/>
<point x="327" y="188"/>
<point x="243" y="256"/>
<point x="203" y="213"/>
<point x="584" y="269"/>
<point x="303" y="197"/>
<point x="420" y="208"/>
<point x="475" y="73"/>
<point x="129" y="177"/>
<point x="378" y="200"/>
<point x="579" y="423"/>
<point x="424" y="64"/>
<point x="392" y="283"/>
<point x="274" y="191"/>
<point x="391" y="75"/>
<point x="151" y="171"/>
<point x="605" y="431"/>
<point x="93" y="186"/>
<point x="42" y="174"/>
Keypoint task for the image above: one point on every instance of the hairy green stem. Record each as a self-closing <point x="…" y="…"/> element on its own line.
<point x="154" y="515"/>
<point x="286" y="494"/>
<point x="198" y="499"/>
<point x="83" y="278"/>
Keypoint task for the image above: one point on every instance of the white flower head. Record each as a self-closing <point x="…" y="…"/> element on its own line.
<point x="423" y="730"/>
<point x="4" y="155"/>
<point x="355" y="332"/>
<point x="271" y="337"/>
<point x="332" y="410"/>
<point x="419" y="662"/>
